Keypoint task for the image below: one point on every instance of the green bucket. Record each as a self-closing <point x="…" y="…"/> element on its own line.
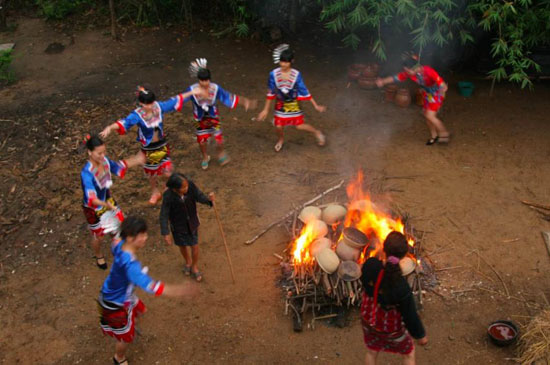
<point x="465" y="88"/>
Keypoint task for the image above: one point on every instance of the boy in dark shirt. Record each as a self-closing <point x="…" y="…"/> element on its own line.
<point x="179" y="213"/>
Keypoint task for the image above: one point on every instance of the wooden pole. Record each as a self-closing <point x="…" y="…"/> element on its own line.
<point x="224" y="241"/>
<point x="113" y="19"/>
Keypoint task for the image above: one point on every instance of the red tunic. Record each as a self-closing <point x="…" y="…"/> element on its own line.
<point x="431" y="82"/>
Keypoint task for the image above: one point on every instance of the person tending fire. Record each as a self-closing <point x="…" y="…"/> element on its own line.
<point x="287" y="86"/>
<point x="433" y="90"/>
<point x="388" y="303"/>
<point x="178" y="214"/>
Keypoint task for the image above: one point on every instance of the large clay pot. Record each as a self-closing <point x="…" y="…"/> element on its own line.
<point x="318" y="245"/>
<point x="355" y="70"/>
<point x="390" y="91"/>
<point x="367" y="83"/>
<point x="371" y="70"/>
<point x="346" y="252"/>
<point x="403" y="98"/>
<point x="419" y="97"/>
<point x="310" y="213"/>
<point x="334" y="213"/>
<point x="328" y="260"/>
<point x="354" y="238"/>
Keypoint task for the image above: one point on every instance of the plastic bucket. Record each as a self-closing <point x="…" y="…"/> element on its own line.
<point x="465" y="88"/>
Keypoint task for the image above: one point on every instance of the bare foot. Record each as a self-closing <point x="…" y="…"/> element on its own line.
<point x="279" y="146"/>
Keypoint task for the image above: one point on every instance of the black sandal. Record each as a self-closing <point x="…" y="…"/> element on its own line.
<point x="102" y="266"/>
<point x="432" y="141"/>
<point x="123" y="362"/>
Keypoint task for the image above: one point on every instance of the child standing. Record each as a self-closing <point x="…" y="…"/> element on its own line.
<point x="179" y="213"/>
<point x="118" y="305"/>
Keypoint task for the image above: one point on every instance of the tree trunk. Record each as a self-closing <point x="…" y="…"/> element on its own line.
<point x="113" y="18"/>
<point x="3" y="22"/>
<point x="292" y="15"/>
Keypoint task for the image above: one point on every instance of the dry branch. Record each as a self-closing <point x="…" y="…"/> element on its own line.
<point x="536" y="205"/>
<point x="289" y="214"/>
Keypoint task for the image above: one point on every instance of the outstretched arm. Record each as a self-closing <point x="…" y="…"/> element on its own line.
<point x="121" y="125"/>
<point x="380" y="82"/>
<point x="265" y="110"/>
<point x="318" y="107"/>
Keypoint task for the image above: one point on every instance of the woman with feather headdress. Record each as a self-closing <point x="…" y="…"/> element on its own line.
<point x="205" y="109"/>
<point x="287" y="87"/>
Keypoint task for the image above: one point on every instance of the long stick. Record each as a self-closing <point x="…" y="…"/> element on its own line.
<point x="224" y="241"/>
<point x="289" y="214"/>
<point x="547" y="207"/>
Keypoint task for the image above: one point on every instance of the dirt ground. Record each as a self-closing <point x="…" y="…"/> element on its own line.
<point x="466" y="195"/>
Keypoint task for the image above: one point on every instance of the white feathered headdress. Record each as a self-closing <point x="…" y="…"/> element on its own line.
<point x="277" y="52"/>
<point x="195" y="66"/>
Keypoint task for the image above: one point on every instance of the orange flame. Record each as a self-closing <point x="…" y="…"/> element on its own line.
<point x="369" y="219"/>
<point x="300" y="252"/>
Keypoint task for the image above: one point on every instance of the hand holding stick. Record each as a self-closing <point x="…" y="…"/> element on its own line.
<point x="223" y="236"/>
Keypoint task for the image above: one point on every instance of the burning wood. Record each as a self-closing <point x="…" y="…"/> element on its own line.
<point x="322" y="269"/>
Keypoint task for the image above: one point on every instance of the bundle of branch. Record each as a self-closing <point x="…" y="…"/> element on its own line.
<point x="535" y="342"/>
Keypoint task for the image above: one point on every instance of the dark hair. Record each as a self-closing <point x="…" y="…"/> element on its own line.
<point x="146" y="96"/>
<point x="396" y="245"/>
<point x="93" y="141"/>
<point x="287" y="55"/>
<point x="410" y="62"/>
<point x="176" y="180"/>
<point x="132" y="226"/>
<point x="204" y="74"/>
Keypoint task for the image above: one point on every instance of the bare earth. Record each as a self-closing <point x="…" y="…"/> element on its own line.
<point x="465" y="194"/>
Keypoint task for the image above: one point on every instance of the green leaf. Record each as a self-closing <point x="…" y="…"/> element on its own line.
<point x="352" y="40"/>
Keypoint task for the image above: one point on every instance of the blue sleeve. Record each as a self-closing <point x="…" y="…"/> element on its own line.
<point x="303" y="92"/>
<point x="117" y="168"/>
<point x="126" y="123"/>
<point x="88" y="187"/>
<point x="171" y="105"/>
<point x="138" y="278"/>
<point x="271" y="86"/>
<point x="228" y="99"/>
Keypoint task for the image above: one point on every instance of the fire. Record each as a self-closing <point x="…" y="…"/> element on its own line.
<point x="300" y="251"/>
<point x="365" y="216"/>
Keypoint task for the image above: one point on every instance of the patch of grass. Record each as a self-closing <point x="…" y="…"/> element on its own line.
<point x="6" y="74"/>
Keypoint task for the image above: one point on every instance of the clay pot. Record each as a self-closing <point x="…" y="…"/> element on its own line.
<point x="310" y="213"/>
<point x="390" y="91"/>
<point x="349" y="271"/>
<point x="347" y="253"/>
<point x="367" y="83"/>
<point x="318" y="245"/>
<point x="355" y="70"/>
<point x="371" y="70"/>
<point x="319" y="228"/>
<point x="334" y="213"/>
<point x="354" y="238"/>
<point x="403" y="98"/>
<point x="407" y="265"/>
<point x="328" y="260"/>
<point x="419" y="97"/>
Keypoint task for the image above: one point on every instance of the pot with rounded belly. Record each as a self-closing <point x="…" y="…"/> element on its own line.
<point x="403" y="98"/>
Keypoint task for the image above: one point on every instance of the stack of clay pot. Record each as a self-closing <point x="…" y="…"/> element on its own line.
<point x="399" y="96"/>
<point x="367" y="80"/>
<point x="355" y="71"/>
<point x="352" y="243"/>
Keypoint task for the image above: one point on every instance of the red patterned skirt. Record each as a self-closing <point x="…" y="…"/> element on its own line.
<point x="209" y="127"/>
<point x="119" y="322"/>
<point x="157" y="158"/>
<point x="383" y="330"/>
<point x="287" y="113"/>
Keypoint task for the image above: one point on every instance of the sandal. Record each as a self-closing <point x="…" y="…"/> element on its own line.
<point x="187" y="270"/>
<point x="102" y="266"/>
<point x="224" y="160"/>
<point x="155" y="198"/>
<point x="432" y="141"/>
<point x="204" y="163"/>
<point x="123" y="362"/>
<point x="321" y="139"/>
<point x="197" y="276"/>
<point x="279" y="146"/>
